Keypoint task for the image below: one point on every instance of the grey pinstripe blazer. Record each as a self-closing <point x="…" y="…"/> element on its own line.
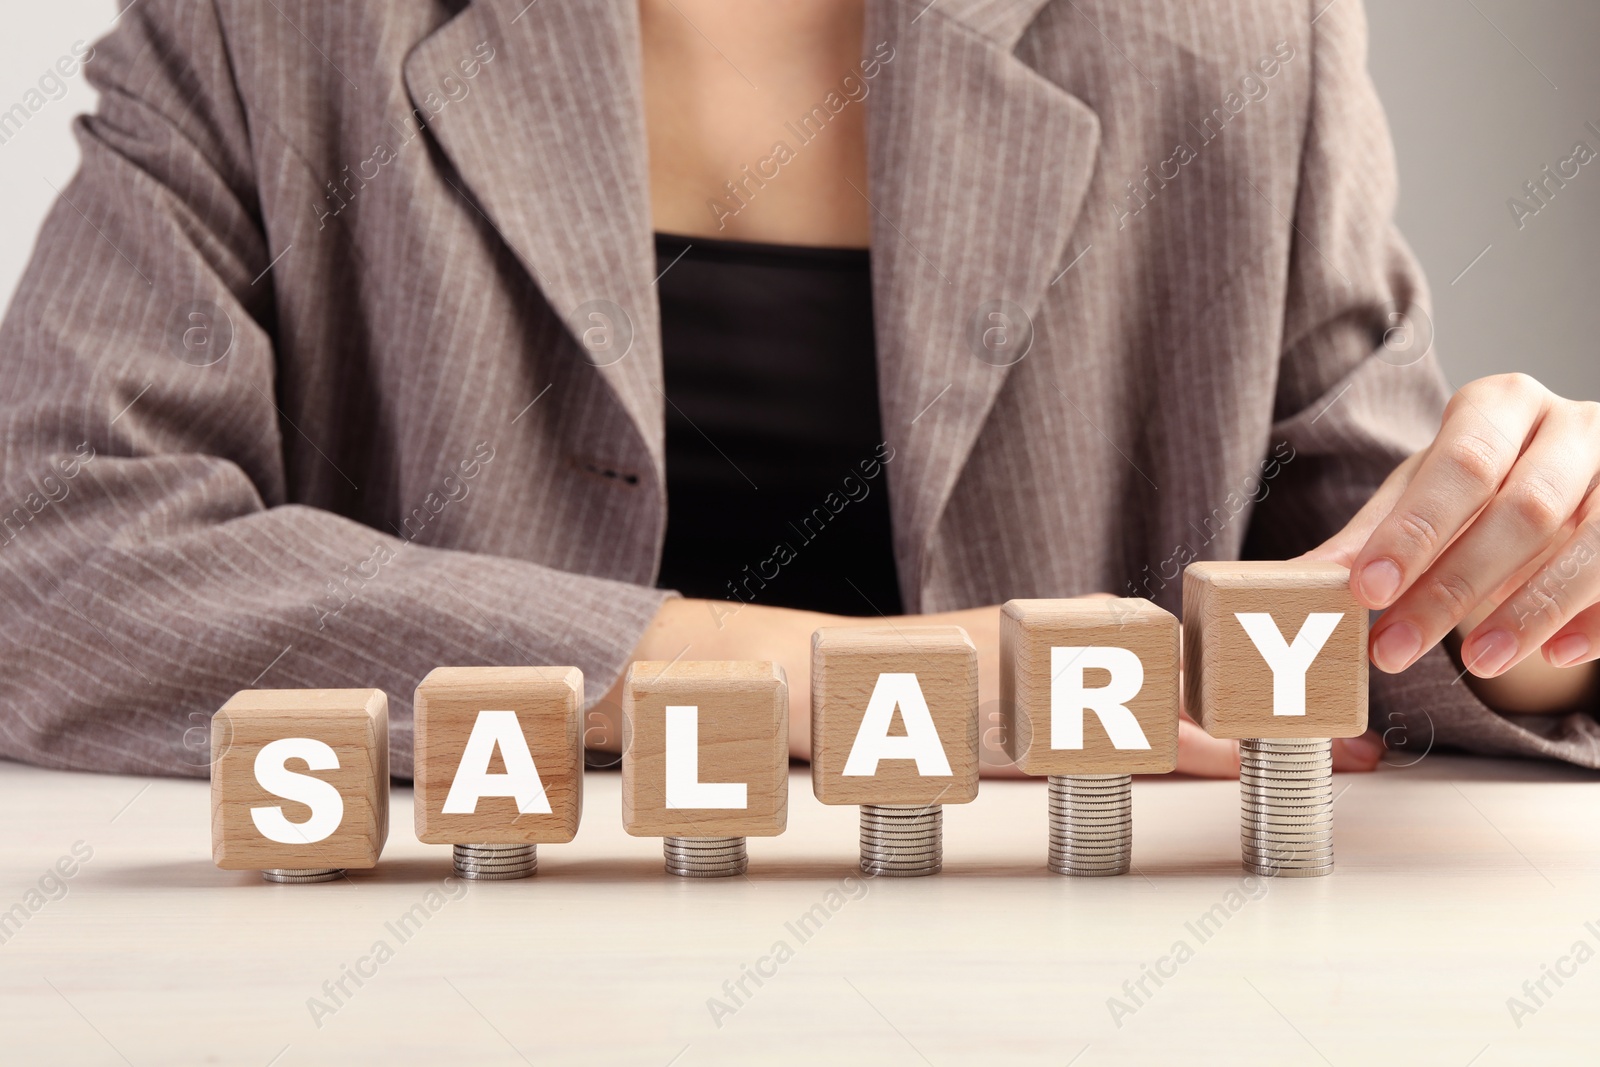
<point x="295" y="393"/>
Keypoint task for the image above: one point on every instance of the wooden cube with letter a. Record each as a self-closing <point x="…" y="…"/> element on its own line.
<point x="1274" y="649"/>
<point x="894" y="715"/>
<point x="1089" y="686"/>
<point x="705" y="749"/>
<point x="300" y="779"/>
<point x="499" y="755"/>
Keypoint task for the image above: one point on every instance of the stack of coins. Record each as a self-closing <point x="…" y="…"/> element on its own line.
<point x="705" y="857"/>
<point x="1286" y="806"/>
<point x="496" y="863"/>
<point x="1091" y="824"/>
<point x="902" y="840"/>
<point x="292" y="875"/>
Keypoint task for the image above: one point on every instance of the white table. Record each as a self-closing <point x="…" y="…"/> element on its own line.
<point x="1458" y="881"/>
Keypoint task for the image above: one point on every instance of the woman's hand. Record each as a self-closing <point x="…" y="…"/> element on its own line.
<point x="1493" y="528"/>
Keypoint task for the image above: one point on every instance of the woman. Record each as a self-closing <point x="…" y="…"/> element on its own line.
<point x="346" y="355"/>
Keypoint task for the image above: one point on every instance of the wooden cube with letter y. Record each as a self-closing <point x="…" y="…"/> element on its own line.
<point x="300" y="782"/>
<point x="499" y="764"/>
<point x="894" y="728"/>
<point x="1274" y="649"/>
<point x="705" y="760"/>
<point x="1275" y="654"/>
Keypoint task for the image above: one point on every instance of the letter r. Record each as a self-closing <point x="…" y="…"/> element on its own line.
<point x="1070" y="697"/>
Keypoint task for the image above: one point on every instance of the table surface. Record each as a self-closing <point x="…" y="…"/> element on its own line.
<point x="1458" y="881"/>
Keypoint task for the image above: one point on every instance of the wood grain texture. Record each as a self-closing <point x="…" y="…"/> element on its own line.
<point x="743" y="737"/>
<point x="846" y="662"/>
<point x="548" y="702"/>
<point x="1228" y="686"/>
<point x="353" y="722"/>
<point x="1029" y="629"/>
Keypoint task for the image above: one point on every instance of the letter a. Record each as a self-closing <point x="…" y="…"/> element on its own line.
<point x="920" y="742"/>
<point x="473" y="780"/>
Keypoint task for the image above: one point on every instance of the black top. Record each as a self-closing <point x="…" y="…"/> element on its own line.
<point x="776" y="465"/>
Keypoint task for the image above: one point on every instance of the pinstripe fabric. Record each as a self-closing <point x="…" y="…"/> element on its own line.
<point x="407" y="457"/>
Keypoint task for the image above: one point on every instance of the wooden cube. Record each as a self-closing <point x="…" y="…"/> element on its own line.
<point x="1274" y="649"/>
<point x="300" y="779"/>
<point x="705" y="749"/>
<point x="1089" y="686"/>
<point x="502" y="749"/>
<point x="894" y="715"/>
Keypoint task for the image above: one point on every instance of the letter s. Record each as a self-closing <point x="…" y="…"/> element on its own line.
<point x="327" y="806"/>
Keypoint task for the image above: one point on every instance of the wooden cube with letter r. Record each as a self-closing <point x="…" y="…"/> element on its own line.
<point x="894" y="715"/>
<point x="300" y="779"/>
<point x="1089" y="686"/>
<point x="1274" y="649"/>
<point x="499" y="755"/>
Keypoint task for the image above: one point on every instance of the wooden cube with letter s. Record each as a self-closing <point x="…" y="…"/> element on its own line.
<point x="894" y="728"/>
<point x="300" y="782"/>
<point x="705" y="760"/>
<point x="499" y="764"/>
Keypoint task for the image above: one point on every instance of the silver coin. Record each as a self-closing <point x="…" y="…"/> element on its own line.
<point x="882" y="871"/>
<point x="899" y="856"/>
<point x="518" y="865"/>
<point x="494" y="876"/>
<point x="681" y="849"/>
<point x="302" y="875"/>
<point x="482" y="852"/>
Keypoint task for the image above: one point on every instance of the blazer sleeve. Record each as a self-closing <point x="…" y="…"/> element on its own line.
<point x="150" y="561"/>
<point x="1360" y="388"/>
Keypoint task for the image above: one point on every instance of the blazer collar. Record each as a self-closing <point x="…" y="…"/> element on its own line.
<point x="977" y="168"/>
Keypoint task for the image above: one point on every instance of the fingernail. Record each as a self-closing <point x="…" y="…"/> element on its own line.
<point x="1379" y="581"/>
<point x="1489" y="654"/>
<point x="1565" y="651"/>
<point x="1396" y="647"/>
<point x="1367" y="747"/>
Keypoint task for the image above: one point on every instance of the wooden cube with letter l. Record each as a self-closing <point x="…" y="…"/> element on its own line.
<point x="894" y="729"/>
<point x="705" y="760"/>
<point x="499" y="764"/>
<point x="1089" y="695"/>
<point x="1275" y="654"/>
<point x="300" y="782"/>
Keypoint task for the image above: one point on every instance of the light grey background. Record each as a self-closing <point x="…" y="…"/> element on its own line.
<point x="1482" y="95"/>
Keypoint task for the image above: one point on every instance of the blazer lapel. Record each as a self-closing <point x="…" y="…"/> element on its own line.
<point x="550" y="146"/>
<point x="977" y="171"/>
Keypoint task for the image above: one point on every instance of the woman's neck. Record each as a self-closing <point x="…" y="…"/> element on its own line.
<point x="756" y="118"/>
